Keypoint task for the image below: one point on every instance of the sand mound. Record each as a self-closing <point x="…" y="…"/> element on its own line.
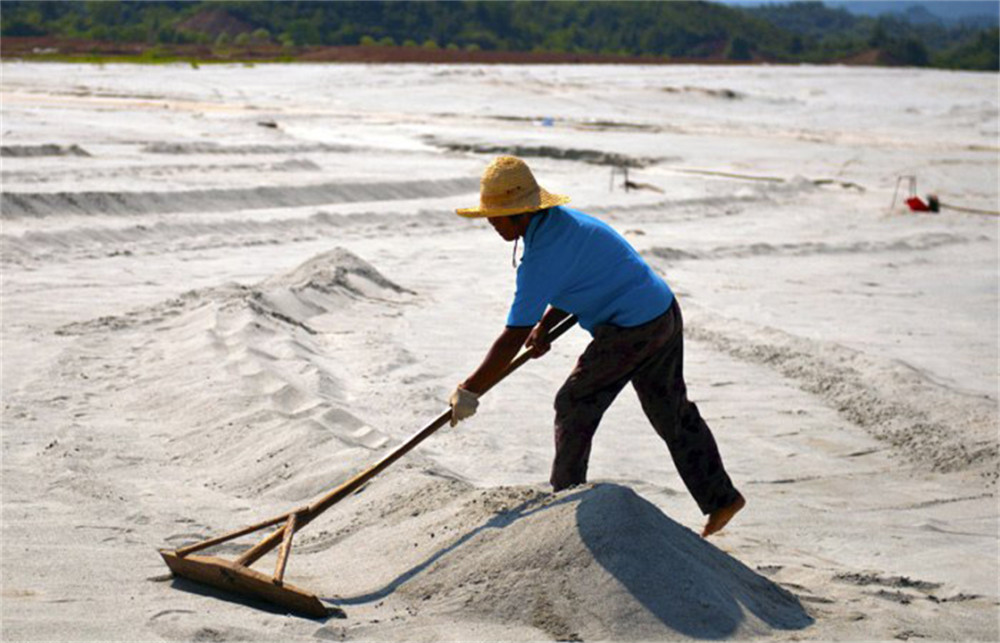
<point x="165" y="237"/>
<point x="594" y="157"/>
<point x="39" y="204"/>
<point x="598" y="562"/>
<point x="728" y="94"/>
<point x="277" y="423"/>
<point x="288" y="432"/>
<point x="31" y="151"/>
<point x="604" y="563"/>
<point x="918" y="242"/>
<point x="215" y="148"/>
<point x="923" y="421"/>
<point x="319" y="286"/>
<point x="338" y="270"/>
<point x="153" y="172"/>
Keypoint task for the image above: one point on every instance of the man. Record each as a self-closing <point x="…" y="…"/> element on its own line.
<point x="575" y="264"/>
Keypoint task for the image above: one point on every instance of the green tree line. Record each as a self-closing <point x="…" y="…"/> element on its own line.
<point x="808" y="32"/>
<point x="823" y="33"/>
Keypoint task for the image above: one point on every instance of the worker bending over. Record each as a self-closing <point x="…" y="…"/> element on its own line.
<point x="574" y="264"/>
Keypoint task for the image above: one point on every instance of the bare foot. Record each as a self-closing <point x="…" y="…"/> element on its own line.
<point x="720" y="517"/>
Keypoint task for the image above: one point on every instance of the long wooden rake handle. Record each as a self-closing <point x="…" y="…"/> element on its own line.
<point x="304" y="516"/>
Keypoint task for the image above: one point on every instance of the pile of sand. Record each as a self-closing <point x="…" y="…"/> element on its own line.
<point x="278" y="425"/>
<point x="598" y="563"/>
<point x="593" y="562"/>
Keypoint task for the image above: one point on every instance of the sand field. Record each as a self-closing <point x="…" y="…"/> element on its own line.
<point x="227" y="289"/>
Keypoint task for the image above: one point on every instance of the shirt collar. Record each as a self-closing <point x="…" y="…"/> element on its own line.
<point x="532" y="231"/>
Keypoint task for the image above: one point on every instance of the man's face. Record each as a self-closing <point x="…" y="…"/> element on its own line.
<point x="506" y="227"/>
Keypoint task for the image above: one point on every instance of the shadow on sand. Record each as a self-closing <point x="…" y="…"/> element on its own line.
<point x="688" y="584"/>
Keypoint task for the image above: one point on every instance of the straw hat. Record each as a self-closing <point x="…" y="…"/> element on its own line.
<point x="507" y="188"/>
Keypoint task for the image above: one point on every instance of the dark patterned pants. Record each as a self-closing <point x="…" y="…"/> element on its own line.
<point x="651" y="357"/>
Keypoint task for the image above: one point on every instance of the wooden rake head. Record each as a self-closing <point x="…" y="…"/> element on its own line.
<point x="238" y="578"/>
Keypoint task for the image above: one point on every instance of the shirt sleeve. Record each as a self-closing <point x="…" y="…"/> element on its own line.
<point x="531" y="299"/>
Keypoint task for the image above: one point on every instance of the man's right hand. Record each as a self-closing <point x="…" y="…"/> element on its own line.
<point x="538" y="341"/>
<point x="463" y="405"/>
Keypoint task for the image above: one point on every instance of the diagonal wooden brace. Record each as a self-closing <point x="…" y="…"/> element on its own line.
<point x="286" y="549"/>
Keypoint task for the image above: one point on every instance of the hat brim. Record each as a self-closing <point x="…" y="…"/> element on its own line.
<point x="546" y="200"/>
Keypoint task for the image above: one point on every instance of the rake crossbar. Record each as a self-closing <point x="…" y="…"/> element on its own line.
<point x="237" y="577"/>
<point x="212" y="542"/>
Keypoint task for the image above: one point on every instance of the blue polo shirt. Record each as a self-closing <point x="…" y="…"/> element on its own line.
<point x="579" y="264"/>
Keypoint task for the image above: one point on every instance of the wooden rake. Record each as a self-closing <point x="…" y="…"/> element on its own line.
<point x="235" y="576"/>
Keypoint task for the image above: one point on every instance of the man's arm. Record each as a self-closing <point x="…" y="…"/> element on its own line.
<point x="500" y="355"/>
<point x="552" y="317"/>
<point x="538" y="339"/>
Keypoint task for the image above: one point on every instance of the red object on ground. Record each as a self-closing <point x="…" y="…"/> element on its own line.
<point x="917" y="205"/>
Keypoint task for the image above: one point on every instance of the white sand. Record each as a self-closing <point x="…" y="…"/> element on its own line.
<point x="207" y="322"/>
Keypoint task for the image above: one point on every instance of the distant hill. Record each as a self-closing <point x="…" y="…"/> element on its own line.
<point x="911" y="36"/>
<point x="812" y="19"/>
<point x="619" y="31"/>
<point x="948" y="12"/>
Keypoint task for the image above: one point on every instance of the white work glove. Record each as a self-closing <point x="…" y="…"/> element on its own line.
<point x="463" y="405"/>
